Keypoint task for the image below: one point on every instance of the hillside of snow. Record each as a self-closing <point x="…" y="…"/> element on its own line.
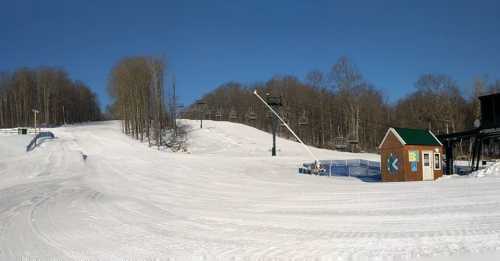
<point x="226" y="199"/>
<point x="221" y="138"/>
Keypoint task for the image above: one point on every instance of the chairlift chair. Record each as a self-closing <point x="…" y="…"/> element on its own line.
<point x="284" y="116"/>
<point x="352" y="139"/>
<point x="208" y="114"/>
<point x="251" y="115"/>
<point x="340" y="143"/>
<point x="303" y="120"/>
<point x="219" y="114"/>
<point x="233" y="115"/>
<point x="353" y="144"/>
<point x="269" y="114"/>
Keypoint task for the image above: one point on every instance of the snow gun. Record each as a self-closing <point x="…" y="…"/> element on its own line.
<point x="315" y="168"/>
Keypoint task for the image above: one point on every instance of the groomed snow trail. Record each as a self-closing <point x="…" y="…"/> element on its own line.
<point x="226" y="199"/>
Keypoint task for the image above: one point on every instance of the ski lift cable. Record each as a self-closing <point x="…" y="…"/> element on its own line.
<point x="288" y="127"/>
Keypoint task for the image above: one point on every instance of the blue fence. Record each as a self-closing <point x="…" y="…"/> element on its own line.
<point x="38" y="137"/>
<point x="363" y="169"/>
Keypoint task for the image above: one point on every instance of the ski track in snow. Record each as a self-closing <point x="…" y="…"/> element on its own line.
<point x="225" y="199"/>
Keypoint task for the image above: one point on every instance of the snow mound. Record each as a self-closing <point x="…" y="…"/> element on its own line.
<point x="493" y="170"/>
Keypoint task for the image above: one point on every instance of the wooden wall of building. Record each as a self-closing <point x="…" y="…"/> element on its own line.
<point x="392" y="145"/>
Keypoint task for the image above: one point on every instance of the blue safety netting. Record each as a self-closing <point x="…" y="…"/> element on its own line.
<point x="363" y="169"/>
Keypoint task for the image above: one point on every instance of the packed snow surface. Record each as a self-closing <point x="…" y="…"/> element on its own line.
<point x="226" y="199"/>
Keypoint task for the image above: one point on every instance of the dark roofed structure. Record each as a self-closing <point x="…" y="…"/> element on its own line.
<point x="417" y="137"/>
<point x="490" y="111"/>
<point x="487" y="131"/>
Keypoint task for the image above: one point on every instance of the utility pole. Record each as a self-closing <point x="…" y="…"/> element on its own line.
<point x="64" y="116"/>
<point x="175" y="108"/>
<point x="200" y="108"/>
<point x="35" y="112"/>
<point x="275" y="103"/>
<point x="178" y="109"/>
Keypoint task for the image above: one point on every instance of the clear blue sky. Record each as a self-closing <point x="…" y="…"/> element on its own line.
<point x="208" y="42"/>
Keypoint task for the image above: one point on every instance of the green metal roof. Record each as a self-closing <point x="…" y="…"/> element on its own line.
<point x="417" y="137"/>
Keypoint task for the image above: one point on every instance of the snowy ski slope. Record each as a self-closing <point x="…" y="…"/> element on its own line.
<point x="226" y="199"/>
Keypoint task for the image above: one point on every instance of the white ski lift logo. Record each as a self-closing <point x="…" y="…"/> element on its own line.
<point x="392" y="164"/>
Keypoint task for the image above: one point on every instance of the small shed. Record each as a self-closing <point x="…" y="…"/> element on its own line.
<point x="410" y="155"/>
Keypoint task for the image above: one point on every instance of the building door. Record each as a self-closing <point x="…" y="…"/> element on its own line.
<point x="427" y="172"/>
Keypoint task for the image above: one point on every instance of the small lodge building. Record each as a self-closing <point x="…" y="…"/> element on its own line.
<point x="410" y="155"/>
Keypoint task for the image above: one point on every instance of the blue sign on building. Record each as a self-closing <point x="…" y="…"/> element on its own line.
<point x="413" y="166"/>
<point x="392" y="164"/>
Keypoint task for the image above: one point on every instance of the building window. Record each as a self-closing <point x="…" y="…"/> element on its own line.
<point x="437" y="161"/>
<point x="426" y="160"/>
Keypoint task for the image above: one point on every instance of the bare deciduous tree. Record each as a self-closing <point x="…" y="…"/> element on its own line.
<point x="342" y="105"/>
<point x="137" y="86"/>
<point x="48" y="90"/>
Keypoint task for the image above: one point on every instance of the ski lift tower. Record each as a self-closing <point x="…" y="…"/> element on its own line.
<point x="275" y="103"/>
